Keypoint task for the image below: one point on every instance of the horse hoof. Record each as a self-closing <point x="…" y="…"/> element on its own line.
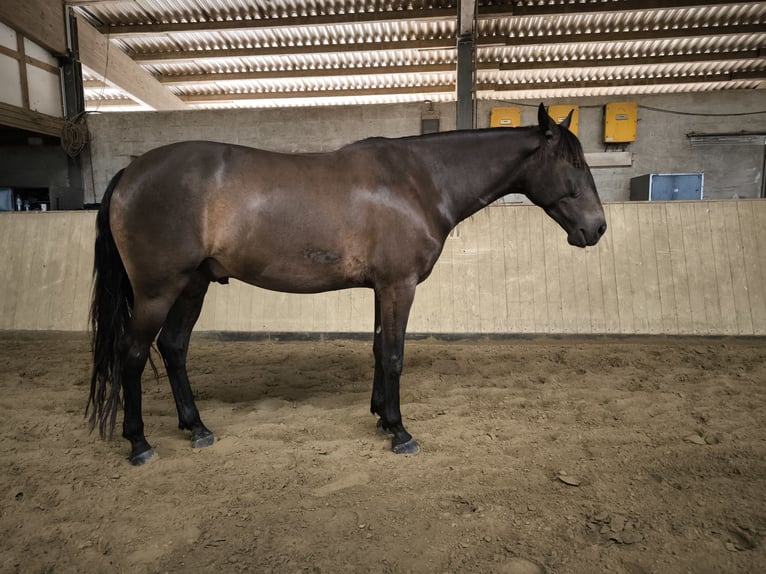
<point x="202" y="439"/>
<point x="142" y="458"/>
<point x="409" y="447"/>
<point x="381" y="428"/>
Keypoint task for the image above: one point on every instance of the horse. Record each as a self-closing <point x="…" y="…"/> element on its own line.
<point x="373" y="214"/>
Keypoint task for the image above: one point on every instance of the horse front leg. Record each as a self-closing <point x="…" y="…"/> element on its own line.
<point x="392" y="308"/>
<point x="377" y="404"/>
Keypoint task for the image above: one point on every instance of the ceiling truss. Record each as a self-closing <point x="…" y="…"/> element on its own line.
<point x="239" y="53"/>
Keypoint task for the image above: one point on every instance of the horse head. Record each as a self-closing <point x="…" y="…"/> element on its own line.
<point x="559" y="180"/>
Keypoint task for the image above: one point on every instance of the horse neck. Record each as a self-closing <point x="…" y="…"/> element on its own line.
<point x="471" y="169"/>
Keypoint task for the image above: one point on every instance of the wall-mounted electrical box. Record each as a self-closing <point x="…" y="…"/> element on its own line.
<point x="560" y="113"/>
<point x="620" y="122"/>
<point x="505" y="118"/>
<point x="666" y="186"/>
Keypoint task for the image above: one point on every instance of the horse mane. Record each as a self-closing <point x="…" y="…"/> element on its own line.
<point x="571" y="148"/>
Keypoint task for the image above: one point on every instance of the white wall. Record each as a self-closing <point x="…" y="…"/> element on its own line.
<point x="10" y="86"/>
<point x="42" y="85"/>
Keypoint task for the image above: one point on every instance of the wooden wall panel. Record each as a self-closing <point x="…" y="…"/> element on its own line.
<point x="758" y="230"/>
<point x="46" y="262"/>
<point x="696" y="268"/>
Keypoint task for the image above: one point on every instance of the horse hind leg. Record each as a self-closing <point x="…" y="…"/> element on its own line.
<point x="173" y="343"/>
<point x="146" y="320"/>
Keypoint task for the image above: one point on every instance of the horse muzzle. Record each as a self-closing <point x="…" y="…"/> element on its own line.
<point x="582" y="237"/>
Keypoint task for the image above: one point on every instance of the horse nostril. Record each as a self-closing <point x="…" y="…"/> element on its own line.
<point x="602" y="229"/>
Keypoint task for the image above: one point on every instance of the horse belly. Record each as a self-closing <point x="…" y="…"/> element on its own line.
<point x="311" y="271"/>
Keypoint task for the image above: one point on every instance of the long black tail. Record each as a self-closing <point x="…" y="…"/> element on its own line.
<point x="110" y="311"/>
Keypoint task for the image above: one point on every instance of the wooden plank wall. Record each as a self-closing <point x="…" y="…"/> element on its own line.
<point x="692" y="268"/>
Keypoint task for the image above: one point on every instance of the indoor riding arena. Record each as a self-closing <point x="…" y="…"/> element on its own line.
<point x="456" y="286"/>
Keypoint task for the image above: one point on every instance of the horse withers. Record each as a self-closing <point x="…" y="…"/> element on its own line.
<point x="373" y="214"/>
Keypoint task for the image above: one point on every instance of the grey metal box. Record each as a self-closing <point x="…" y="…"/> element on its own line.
<point x="666" y="186"/>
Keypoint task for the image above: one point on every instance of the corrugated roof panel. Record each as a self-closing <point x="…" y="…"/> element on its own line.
<point x="667" y="48"/>
<point x="318" y="84"/>
<point x="574" y="73"/>
<point x="334" y="61"/>
<point x="166" y="11"/>
<point x="291" y="36"/>
<point x="622" y="21"/>
<point x="607" y="91"/>
<point x="641" y="48"/>
<point x="325" y="101"/>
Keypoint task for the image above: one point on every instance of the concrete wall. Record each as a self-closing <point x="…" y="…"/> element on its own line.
<point x="117" y="137"/>
<point x="661" y="146"/>
<point x="693" y="268"/>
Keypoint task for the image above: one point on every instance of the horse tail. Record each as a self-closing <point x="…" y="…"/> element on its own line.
<point x="111" y="308"/>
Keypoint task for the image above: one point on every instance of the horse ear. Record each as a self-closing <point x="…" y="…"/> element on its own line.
<point x="568" y="120"/>
<point x="545" y="121"/>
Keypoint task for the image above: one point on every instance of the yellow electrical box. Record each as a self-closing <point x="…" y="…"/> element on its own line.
<point x="505" y="118"/>
<point x="560" y="113"/>
<point x="620" y="122"/>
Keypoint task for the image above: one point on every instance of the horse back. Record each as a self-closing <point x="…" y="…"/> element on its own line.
<point x="292" y="222"/>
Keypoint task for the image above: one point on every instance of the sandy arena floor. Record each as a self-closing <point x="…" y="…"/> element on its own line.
<point x="560" y="456"/>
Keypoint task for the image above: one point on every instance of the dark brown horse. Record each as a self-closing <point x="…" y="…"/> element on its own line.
<point x="373" y="214"/>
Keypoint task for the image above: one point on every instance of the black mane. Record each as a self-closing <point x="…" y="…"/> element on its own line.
<point x="571" y="148"/>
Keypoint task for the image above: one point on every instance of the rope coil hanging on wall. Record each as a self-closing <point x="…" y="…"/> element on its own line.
<point x="74" y="135"/>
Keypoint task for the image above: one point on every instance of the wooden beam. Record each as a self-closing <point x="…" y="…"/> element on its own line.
<point x="24" y="80"/>
<point x="21" y="57"/>
<point x="91" y="105"/>
<point x="104" y="58"/>
<point x="42" y="21"/>
<point x="29" y="120"/>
